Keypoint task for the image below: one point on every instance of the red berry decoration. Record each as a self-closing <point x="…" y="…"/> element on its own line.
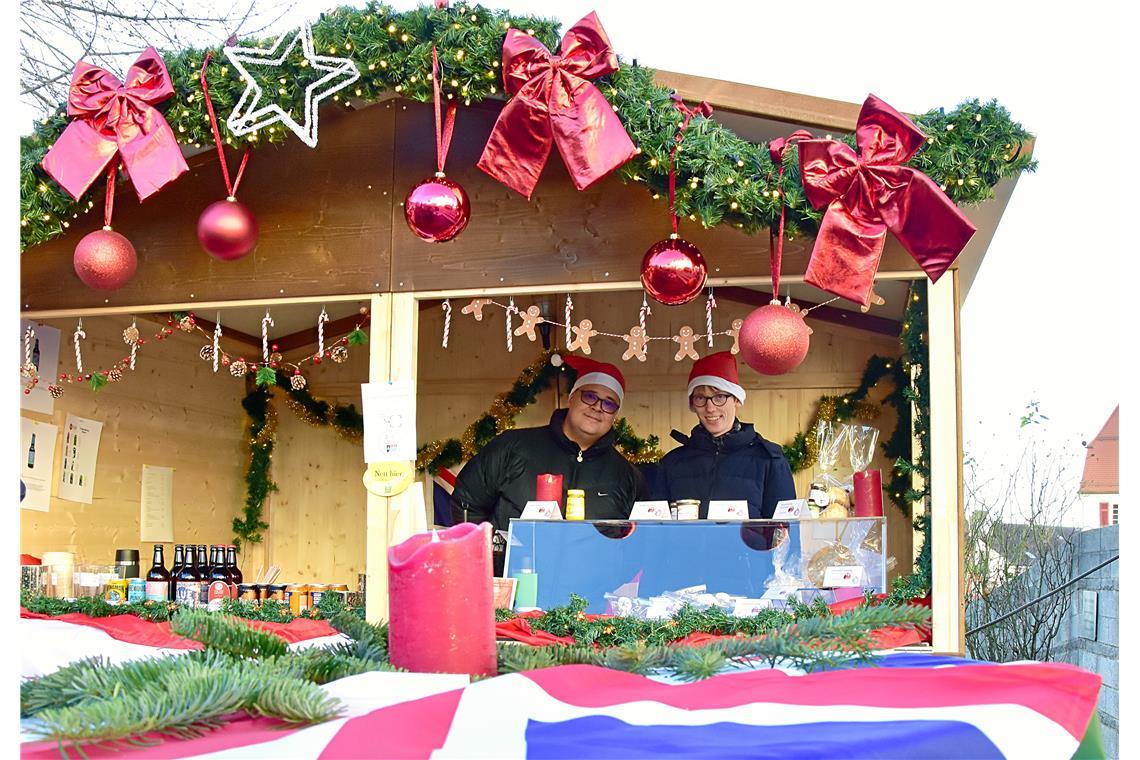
<point x="227" y="230"/>
<point x="437" y="209"/>
<point x="105" y="260"/>
<point x="774" y="339"/>
<point x="673" y="271"/>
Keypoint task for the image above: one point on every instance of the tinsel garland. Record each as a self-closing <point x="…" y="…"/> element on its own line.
<point x="723" y="177"/>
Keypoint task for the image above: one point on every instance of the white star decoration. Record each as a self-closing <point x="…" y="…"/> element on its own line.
<point x="250" y="114"/>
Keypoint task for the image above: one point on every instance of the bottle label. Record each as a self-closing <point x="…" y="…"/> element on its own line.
<point x="156" y="591"/>
<point x="216" y="593"/>
<point x="188" y="593"/>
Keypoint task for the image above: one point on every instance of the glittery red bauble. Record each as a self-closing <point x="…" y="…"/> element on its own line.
<point x="437" y="209"/>
<point x="105" y="260"/>
<point x="773" y="340"/>
<point x="227" y="230"/>
<point x="673" y="271"/>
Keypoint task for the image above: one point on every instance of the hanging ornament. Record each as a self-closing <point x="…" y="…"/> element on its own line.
<point x="446" y="320"/>
<point x="339" y="354"/>
<point x="266" y="323"/>
<point x="638" y="342"/>
<point x="206" y="353"/>
<point x="187" y="323"/>
<point x="55" y="391"/>
<point x="238" y="368"/>
<point x="216" y="348"/>
<point x="131" y="335"/>
<point x="511" y="310"/>
<point x="582" y="334"/>
<point x="476" y="308"/>
<point x="531" y="318"/>
<point x="436" y="208"/>
<point x="275" y="358"/>
<point x="252" y="112"/>
<point x="685" y="340"/>
<point x="75" y="339"/>
<point x="734" y="333"/>
<point x="673" y="271"/>
<point x="297" y="381"/>
<point x="104" y="259"/>
<point x="227" y="230"/>
<point x="114" y="375"/>
<point x="710" y="304"/>
<point x="28" y="369"/>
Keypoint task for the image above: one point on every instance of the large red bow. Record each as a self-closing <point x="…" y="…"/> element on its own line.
<point x="554" y="102"/>
<point x="870" y="193"/>
<point x="117" y="118"/>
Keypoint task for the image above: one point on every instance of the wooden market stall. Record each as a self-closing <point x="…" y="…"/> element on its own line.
<point x="332" y="235"/>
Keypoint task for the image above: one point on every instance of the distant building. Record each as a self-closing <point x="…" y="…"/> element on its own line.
<point x="1100" y="482"/>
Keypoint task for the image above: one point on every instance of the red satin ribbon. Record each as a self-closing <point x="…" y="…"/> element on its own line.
<point x="444" y="130"/>
<point x="231" y="187"/>
<point x="776" y="150"/>
<point x="116" y="118"/>
<point x="555" y="103"/>
<point x="704" y="109"/>
<point x="870" y="193"/>
<point x="109" y="198"/>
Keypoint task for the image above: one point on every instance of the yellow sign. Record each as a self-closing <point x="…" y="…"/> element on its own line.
<point x="388" y="478"/>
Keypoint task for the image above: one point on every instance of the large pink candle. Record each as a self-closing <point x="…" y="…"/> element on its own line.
<point x="442" y="616"/>
<point x="868" y="488"/>
<point x="549" y="488"/>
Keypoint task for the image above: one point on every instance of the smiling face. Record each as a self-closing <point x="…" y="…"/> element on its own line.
<point x="715" y="419"/>
<point x="585" y="424"/>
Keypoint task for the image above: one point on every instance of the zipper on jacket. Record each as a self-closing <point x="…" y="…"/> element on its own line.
<point x="579" y="455"/>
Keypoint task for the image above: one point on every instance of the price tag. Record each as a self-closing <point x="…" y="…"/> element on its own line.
<point x="541" y="510"/>
<point x="790" y="509"/>
<point x="750" y="607"/>
<point x="728" y="510"/>
<point x="777" y="596"/>
<point x="843" y="576"/>
<point x="650" y="510"/>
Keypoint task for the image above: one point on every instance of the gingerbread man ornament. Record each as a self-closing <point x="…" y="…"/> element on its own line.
<point x="686" y="340"/>
<point x="734" y="331"/>
<point x="530" y="319"/>
<point x="476" y="308"/>
<point x="637" y="341"/>
<point x="582" y="334"/>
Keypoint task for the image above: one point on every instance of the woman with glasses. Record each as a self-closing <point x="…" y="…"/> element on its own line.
<point x="723" y="458"/>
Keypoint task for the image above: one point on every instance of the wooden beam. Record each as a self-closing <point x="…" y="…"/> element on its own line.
<point x="867" y="322"/>
<point x="308" y="336"/>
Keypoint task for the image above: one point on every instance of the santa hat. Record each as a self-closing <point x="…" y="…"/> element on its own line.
<point x="592" y="372"/>
<point x="717" y="371"/>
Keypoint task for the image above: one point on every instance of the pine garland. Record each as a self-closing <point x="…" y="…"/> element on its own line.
<point x="970" y="149"/>
<point x="272" y="611"/>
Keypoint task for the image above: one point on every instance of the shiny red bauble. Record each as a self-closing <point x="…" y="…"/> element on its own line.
<point x="437" y="209"/>
<point x="227" y="230"/>
<point x="105" y="260"/>
<point x="673" y="271"/>
<point x="774" y="339"/>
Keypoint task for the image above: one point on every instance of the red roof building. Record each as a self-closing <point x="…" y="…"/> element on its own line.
<point x="1102" y="459"/>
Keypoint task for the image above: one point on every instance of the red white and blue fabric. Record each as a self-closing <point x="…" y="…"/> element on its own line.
<point x="911" y="706"/>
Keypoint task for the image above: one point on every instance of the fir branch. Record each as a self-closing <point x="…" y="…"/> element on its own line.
<point x="227" y="634"/>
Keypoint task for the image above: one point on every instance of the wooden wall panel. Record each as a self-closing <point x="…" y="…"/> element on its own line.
<point x="171" y="411"/>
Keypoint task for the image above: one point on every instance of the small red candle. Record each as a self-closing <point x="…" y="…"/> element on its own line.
<point x="868" y="488"/>
<point x="441" y="606"/>
<point x="549" y="488"/>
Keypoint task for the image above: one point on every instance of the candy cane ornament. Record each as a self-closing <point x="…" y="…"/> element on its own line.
<point x="446" y="320"/>
<point x="324" y="317"/>
<point x="266" y="323"/>
<point x="78" y="354"/>
<point x="511" y="309"/>
<point x="217" y="340"/>
<point x="710" y="304"/>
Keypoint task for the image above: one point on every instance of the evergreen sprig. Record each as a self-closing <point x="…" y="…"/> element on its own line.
<point x="227" y="634"/>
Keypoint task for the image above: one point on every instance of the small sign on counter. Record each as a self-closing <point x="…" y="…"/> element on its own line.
<point x="541" y="510"/>
<point x="790" y="509"/>
<point x="650" y="510"/>
<point x="728" y="510"/>
<point x="842" y="576"/>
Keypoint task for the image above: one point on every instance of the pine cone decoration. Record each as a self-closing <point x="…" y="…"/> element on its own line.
<point x="207" y="353"/>
<point x="275" y="358"/>
<point x="131" y="335"/>
<point x="297" y="381"/>
<point x="186" y="324"/>
<point x="114" y="375"/>
<point x="29" y="370"/>
<point x="238" y="368"/>
<point x="55" y="391"/>
<point x="339" y="354"/>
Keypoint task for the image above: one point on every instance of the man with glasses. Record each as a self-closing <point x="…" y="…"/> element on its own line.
<point x="577" y="444"/>
<point x="723" y="458"/>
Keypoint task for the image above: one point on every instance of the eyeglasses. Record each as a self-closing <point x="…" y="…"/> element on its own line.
<point x="719" y="399"/>
<point x="589" y="398"/>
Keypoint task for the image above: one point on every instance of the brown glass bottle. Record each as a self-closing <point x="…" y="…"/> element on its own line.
<point x="158" y="578"/>
<point x="188" y="583"/>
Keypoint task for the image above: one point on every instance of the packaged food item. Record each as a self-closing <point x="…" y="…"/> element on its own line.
<point x="297" y="596"/>
<point x="247" y="592"/>
<point x="575" y="504"/>
<point x="116" y="591"/>
<point x="275" y="592"/>
<point x="342" y="589"/>
<point x="136" y="591"/>
<point x="317" y="592"/>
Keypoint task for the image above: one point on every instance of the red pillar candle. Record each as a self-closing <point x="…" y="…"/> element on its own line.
<point x="868" y="488"/>
<point x="549" y="488"/>
<point x="442" y="616"/>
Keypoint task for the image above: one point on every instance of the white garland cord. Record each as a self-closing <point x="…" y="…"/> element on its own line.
<point x="710" y="304"/>
<point x="135" y="345"/>
<point x="79" y="334"/>
<point x="29" y="334"/>
<point x="511" y="309"/>
<point x="569" y="308"/>
<point x="324" y="317"/>
<point x="446" y="320"/>
<point x="266" y="323"/>
<point x="217" y="339"/>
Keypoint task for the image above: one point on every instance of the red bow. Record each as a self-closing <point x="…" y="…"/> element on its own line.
<point x="554" y="102"/>
<point x="870" y="193"/>
<point x="117" y="118"/>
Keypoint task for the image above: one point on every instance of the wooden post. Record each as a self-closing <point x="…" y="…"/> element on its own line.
<point x="392" y="357"/>
<point x="946" y="496"/>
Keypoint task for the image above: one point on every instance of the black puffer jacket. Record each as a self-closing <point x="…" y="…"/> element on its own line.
<point x="498" y="482"/>
<point x="737" y="465"/>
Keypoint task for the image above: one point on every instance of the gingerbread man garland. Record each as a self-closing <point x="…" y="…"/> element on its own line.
<point x="582" y="334"/>
<point x="734" y="331"/>
<point x="637" y="341"/>
<point x="476" y="307"/>
<point x="530" y="319"/>
<point x="686" y="340"/>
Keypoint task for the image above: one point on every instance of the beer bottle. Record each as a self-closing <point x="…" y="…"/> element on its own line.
<point x="175" y="569"/>
<point x="187" y="584"/>
<point x="234" y="571"/>
<point x="219" y="588"/>
<point x="158" y="579"/>
<point x="203" y="577"/>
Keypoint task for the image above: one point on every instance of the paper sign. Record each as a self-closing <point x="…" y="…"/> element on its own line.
<point x="79" y="455"/>
<point x="388" y="478"/>
<point x="45" y="356"/>
<point x="750" y="607"/>
<point x="37" y="458"/>
<point x="389" y="421"/>
<point x="790" y="509"/>
<point x="728" y="510"/>
<point x="842" y="576"/>
<point x="156" y="513"/>
<point x="541" y="510"/>
<point x="650" y="510"/>
<point x="504" y="592"/>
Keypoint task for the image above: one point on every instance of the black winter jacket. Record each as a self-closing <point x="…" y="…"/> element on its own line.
<point x="737" y="465"/>
<point x="498" y="482"/>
